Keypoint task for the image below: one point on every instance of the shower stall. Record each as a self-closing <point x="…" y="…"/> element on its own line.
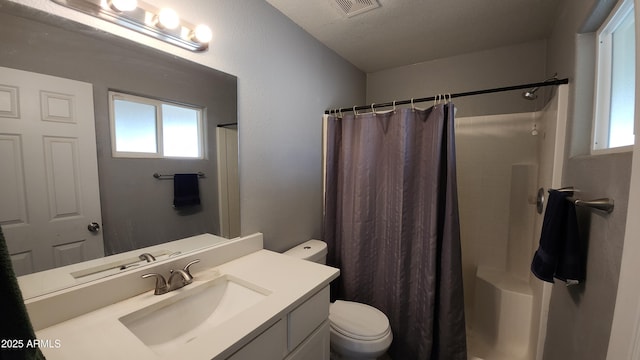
<point x="502" y="161"/>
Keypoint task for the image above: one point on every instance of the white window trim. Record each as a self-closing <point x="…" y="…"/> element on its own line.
<point x="602" y="99"/>
<point x="159" y="154"/>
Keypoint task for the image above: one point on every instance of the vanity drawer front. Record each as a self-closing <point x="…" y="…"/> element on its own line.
<point x="307" y="317"/>
<point x="270" y="345"/>
<point x="315" y="347"/>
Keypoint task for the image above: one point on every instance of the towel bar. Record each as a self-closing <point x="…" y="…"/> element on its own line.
<point x="170" y="176"/>
<point x="604" y="204"/>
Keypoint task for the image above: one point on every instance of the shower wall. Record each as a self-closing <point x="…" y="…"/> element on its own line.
<point x="501" y="163"/>
<point x="497" y="173"/>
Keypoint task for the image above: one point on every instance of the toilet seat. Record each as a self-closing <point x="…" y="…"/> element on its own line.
<point x="358" y="321"/>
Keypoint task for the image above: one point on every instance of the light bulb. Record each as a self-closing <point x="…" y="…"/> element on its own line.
<point x="202" y="34"/>
<point x="168" y="19"/>
<point x="123" y="5"/>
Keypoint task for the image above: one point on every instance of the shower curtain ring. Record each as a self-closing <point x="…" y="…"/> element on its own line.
<point x="372" y="109"/>
<point x="355" y="112"/>
<point x="413" y="106"/>
<point x="394" y="106"/>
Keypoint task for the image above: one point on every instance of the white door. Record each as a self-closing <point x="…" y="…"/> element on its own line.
<point x="49" y="190"/>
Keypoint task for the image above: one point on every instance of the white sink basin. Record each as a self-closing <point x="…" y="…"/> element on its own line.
<point x="179" y="319"/>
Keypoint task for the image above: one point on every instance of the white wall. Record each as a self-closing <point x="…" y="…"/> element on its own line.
<point x="487" y="147"/>
<point x="286" y="79"/>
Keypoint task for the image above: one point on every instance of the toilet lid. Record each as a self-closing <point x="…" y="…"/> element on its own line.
<point x="358" y="321"/>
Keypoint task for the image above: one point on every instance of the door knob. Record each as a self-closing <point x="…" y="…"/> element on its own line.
<point x="94" y="227"/>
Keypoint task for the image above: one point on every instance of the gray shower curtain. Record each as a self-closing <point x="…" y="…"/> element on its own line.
<point x="391" y="225"/>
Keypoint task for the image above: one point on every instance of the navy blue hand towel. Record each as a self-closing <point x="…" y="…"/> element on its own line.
<point x="185" y="190"/>
<point x="560" y="253"/>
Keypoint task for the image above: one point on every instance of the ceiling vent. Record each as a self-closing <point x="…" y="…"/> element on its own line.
<point x="355" y="7"/>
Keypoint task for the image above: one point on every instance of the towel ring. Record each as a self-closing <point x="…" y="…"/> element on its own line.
<point x="540" y="201"/>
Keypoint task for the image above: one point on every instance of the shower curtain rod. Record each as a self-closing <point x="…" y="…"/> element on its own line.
<point x="469" y="93"/>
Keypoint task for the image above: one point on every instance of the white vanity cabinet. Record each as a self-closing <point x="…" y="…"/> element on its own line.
<point x="303" y="334"/>
<point x="315" y="347"/>
<point x="281" y="306"/>
<point x="268" y="345"/>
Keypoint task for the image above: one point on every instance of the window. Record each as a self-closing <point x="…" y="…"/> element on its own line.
<point x="615" y="83"/>
<point x="150" y="128"/>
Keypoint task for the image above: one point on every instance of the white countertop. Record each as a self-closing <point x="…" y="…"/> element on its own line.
<point x="100" y="334"/>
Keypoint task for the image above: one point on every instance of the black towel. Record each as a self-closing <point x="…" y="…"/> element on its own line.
<point x="16" y="331"/>
<point x="185" y="190"/>
<point x="560" y="253"/>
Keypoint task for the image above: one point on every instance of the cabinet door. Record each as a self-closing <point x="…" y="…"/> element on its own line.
<point x="307" y="317"/>
<point x="270" y="345"/>
<point x="315" y="347"/>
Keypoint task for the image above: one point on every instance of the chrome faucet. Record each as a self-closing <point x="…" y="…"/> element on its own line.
<point x="161" y="283"/>
<point x="184" y="278"/>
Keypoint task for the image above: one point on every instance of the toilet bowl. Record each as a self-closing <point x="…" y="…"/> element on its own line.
<point x="358" y="331"/>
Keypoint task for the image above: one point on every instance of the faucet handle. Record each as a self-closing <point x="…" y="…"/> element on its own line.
<point x="161" y="283"/>
<point x="188" y="266"/>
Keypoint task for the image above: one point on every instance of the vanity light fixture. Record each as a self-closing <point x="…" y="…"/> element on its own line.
<point x="163" y="24"/>
<point x="123" y="5"/>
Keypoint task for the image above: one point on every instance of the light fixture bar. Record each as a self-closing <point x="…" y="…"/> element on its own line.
<point x="142" y="19"/>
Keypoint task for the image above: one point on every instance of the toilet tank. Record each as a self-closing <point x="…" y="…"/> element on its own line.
<point x="312" y="250"/>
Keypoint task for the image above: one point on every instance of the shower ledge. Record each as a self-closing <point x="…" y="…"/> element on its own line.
<point x="504" y="280"/>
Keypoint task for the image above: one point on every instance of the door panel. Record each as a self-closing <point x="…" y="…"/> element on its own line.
<point x="12" y="190"/>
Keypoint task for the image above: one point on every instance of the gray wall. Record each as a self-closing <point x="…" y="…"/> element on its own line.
<point x="136" y="208"/>
<point x="512" y="65"/>
<point x="286" y="79"/>
<point x="580" y="317"/>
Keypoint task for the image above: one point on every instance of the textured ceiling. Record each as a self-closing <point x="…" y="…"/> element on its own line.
<point x="403" y="32"/>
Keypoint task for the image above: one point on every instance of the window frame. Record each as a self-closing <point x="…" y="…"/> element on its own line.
<point x="603" y="80"/>
<point x="157" y="103"/>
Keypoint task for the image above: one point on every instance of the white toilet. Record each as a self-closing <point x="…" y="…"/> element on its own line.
<point x="358" y="331"/>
